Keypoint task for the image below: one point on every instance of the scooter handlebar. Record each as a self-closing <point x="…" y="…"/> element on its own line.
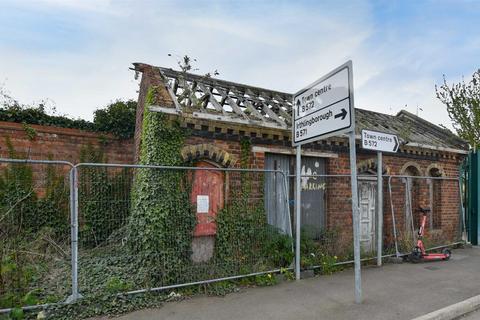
<point x="424" y="210"/>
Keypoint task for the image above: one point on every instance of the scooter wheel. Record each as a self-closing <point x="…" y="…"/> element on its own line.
<point x="415" y="257"/>
<point x="447" y="254"/>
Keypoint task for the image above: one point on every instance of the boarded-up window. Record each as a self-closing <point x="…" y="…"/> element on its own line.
<point x="276" y="189"/>
<point x="313" y="192"/>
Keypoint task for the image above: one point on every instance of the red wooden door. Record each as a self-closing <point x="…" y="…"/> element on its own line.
<point x="207" y="198"/>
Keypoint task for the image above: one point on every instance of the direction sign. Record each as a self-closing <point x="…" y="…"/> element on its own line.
<point x="379" y="141"/>
<point x="324" y="108"/>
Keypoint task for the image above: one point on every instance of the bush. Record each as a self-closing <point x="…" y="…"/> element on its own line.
<point x="245" y="240"/>
<point x="104" y="203"/>
<point x="30" y="226"/>
<point x="117" y="118"/>
<point x="241" y="235"/>
<point x="38" y="115"/>
<point x="53" y="210"/>
<point x="322" y="252"/>
<point x="279" y="248"/>
<point x="18" y="200"/>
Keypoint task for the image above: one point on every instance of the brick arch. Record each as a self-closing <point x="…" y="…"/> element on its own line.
<point x="411" y="164"/>
<point x="370" y="166"/>
<point x="440" y="169"/>
<point x="207" y="151"/>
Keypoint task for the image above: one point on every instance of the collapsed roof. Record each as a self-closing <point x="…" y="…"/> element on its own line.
<point x="219" y="100"/>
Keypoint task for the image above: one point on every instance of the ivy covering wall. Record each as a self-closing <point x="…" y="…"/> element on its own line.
<point x="160" y="228"/>
<point x="103" y="201"/>
<point x="34" y="229"/>
<point x="245" y="242"/>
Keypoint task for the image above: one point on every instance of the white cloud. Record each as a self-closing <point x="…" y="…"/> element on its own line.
<point x="104" y="6"/>
<point x="280" y="45"/>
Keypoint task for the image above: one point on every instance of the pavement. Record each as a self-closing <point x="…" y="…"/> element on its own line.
<point x="394" y="291"/>
<point x="471" y="316"/>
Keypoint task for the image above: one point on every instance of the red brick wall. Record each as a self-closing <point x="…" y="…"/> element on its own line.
<point x="151" y="78"/>
<point x="447" y="205"/>
<point x="62" y="143"/>
<point x="338" y="189"/>
<point x="338" y="194"/>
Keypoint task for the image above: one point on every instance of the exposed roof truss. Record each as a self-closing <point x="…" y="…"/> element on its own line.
<point x="218" y="100"/>
<point x="211" y="98"/>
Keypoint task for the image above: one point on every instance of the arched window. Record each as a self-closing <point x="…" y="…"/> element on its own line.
<point x="412" y="195"/>
<point x="435" y="197"/>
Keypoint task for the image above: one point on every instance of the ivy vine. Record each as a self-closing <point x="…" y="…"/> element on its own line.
<point x="104" y="193"/>
<point x="160" y="228"/>
<point x="117" y="118"/>
<point x="30" y="222"/>
<point x="245" y="242"/>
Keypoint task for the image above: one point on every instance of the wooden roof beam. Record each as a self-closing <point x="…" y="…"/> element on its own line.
<point x="250" y="107"/>
<point x="211" y="98"/>
<point x="235" y="107"/>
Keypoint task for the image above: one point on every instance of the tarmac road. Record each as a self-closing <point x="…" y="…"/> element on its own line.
<point x="395" y="291"/>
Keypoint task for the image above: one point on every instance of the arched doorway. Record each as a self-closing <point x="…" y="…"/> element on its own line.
<point x="207" y="198"/>
<point x="367" y="201"/>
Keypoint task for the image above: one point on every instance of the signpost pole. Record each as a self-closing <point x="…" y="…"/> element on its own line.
<point x="321" y="110"/>
<point x="380" y="142"/>
<point x="380" y="208"/>
<point x="355" y="218"/>
<point x="298" y="189"/>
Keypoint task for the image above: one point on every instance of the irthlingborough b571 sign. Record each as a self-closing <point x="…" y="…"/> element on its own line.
<point x="323" y="109"/>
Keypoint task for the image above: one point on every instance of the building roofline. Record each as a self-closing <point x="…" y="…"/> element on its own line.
<point x="218" y="100"/>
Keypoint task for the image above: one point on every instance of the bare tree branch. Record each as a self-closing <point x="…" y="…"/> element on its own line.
<point x="15" y="204"/>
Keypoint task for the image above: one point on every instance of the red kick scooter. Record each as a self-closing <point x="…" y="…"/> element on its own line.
<point x="419" y="254"/>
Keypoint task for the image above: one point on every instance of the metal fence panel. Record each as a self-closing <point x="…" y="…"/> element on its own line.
<point x="409" y="196"/>
<point x="147" y="227"/>
<point x="323" y="248"/>
<point x="133" y="228"/>
<point x="35" y="255"/>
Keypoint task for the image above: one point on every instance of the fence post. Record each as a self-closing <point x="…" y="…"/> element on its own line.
<point x="355" y="219"/>
<point x="74" y="234"/>
<point x="397" y="253"/>
<point x="380" y="208"/>
<point x="298" y="203"/>
<point x="463" y="224"/>
<point x="287" y="204"/>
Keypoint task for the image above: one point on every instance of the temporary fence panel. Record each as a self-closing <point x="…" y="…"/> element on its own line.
<point x="409" y="198"/>
<point x="323" y="246"/>
<point x="35" y="232"/>
<point x="151" y="228"/>
<point x="402" y="199"/>
<point x="140" y="228"/>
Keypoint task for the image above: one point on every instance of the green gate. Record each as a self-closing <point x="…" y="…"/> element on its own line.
<point x="471" y="171"/>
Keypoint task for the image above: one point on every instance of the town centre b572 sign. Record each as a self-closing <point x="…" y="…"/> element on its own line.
<point x="323" y="109"/>
<point x="379" y="141"/>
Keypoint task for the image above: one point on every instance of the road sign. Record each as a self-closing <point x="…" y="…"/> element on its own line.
<point x="324" y="108"/>
<point x="379" y="141"/>
<point x="321" y="110"/>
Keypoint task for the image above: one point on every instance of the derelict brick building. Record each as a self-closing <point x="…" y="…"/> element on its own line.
<point x="219" y="114"/>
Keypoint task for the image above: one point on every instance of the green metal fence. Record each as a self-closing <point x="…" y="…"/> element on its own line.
<point x="471" y="172"/>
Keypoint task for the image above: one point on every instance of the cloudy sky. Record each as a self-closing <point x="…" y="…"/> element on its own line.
<point x="77" y="53"/>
